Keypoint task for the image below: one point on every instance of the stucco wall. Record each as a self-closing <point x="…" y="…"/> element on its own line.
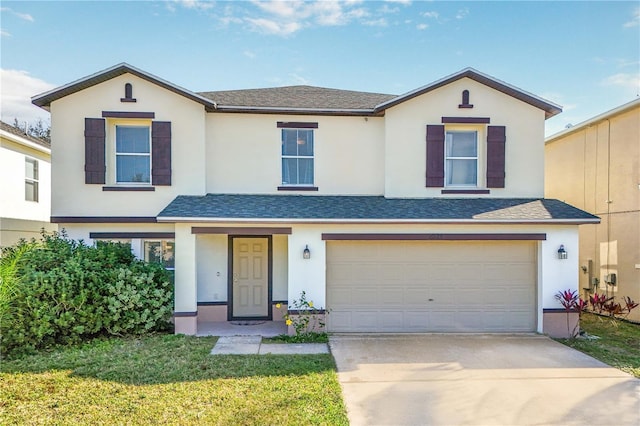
<point x="405" y="144"/>
<point x="244" y="154"/>
<point x="309" y="275"/>
<point x="12" y="182"/>
<point x="597" y="168"/>
<point x="212" y="264"/>
<point x="72" y="197"/>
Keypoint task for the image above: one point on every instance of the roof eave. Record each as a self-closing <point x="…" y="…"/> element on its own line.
<point x="551" y="109"/>
<point x="26" y="142"/>
<point x="594" y="120"/>
<point x="177" y="219"/>
<point x="44" y="100"/>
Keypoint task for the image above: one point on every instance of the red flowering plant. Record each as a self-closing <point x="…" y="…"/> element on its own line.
<point x="570" y="301"/>
<point x="598" y="301"/>
<point x="601" y="303"/>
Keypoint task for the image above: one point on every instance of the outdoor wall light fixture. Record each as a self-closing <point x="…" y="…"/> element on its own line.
<point x="306" y="253"/>
<point x="562" y="253"/>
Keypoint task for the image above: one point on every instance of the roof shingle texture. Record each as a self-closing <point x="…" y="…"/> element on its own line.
<point x="307" y="97"/>
<point x="15" y="131"/>
<point x="239" y="206"/>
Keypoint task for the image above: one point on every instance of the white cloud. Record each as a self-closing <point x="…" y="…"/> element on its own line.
<point x="196" y="4"/>
<point x="462" y="13"/>
<point x="635" y="19"/>
<point x="272" y="27"/>
<point x="20" y="15"/>
<point x="4" y="33"/>
<point x="284" y="17"/>
<point x="402" y="2"/>
<point x="249" y="54"/>
<point x="17" y="89"/>
<point x="298" y="79"/>
<point x="380" y="22"/>
<point x="623" y="63"/>
<point x="284" y="9"/>
<point x="432" y="14"/>
<point x="422" y="27"/>
<point x="626" y="80"/>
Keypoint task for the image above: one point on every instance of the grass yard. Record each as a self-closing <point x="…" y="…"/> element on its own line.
<point x="168" y="379"/>
<point x="618" y="344"/>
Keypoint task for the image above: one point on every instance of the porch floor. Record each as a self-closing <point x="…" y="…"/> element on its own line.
<point x="264" y="329"/>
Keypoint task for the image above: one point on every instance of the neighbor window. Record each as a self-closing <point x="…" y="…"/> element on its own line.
<point x="160" y="252"/>
<point x="297" y="157"/>
<point x="461" y="158"/>
<point x="31" y="179"/>
<point x="133" y="154"/>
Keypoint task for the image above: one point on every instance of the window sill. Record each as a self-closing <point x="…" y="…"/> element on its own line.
<point x="128" y="188"/>
<point x="465" y="191"/>
<point x="297" y="188"/>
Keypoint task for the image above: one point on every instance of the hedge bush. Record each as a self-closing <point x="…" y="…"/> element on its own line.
<point x="66" y="291"/>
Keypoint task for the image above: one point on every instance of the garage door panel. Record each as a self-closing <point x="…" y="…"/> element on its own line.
<point x="392" y="296"/>
<point x="392" y="320"/>
<point x="414" y="272"/>
<point x="417" y="320"/>
<point x="416" y="296"/>
<point x="439" y="286"/>
<point x="366" y="320"/>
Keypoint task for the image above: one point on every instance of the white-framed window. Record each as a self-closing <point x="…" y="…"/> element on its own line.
<point x="133" y="154"/>
<point x="112" y="240"/>
<point x="297" y="157"/>
<point x="160" y="251"/>
<point x="461" y="158"/>
<point x="31" y="179"/>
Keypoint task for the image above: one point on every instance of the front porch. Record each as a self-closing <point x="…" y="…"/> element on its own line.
<point x="241" y="328"/>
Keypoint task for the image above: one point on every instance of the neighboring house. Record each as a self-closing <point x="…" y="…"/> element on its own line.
<point x="595" y="166"/>
<point x="25" y="185"/>
<point x="412" y="213"/>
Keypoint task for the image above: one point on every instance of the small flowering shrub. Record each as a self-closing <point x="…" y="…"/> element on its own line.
<point x="602" y="304"/>
<point x="571" y="302"/>
<point x="307" y="320"/>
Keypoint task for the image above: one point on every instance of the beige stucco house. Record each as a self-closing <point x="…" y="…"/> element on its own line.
<point x="411" y="213"/>
<point x="25" y="185"/>
<point x="595" y="166"/>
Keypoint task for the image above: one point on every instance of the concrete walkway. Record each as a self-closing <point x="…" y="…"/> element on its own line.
<point x="424" y="379"/>
<point x="252" y="345"/>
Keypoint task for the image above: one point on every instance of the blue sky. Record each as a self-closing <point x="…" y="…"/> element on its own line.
<point x="582" y="55"/>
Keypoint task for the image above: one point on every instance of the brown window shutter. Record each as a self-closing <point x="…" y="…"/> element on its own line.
<point x="496" y="137"/>
<point x="161" y="153"/>
<point x="94" y="156"/>
<point x="435" y="156"/>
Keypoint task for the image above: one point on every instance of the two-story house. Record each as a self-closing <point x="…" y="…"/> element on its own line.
<point x="411" y="213"/>
<point x="25" y="185"/>
<point x="595" y="165"/>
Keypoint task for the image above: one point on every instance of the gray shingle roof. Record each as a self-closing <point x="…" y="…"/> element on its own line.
<point x="348" y="208"/>
<point x="15" y="131"/>
<point x="305" y="97"/>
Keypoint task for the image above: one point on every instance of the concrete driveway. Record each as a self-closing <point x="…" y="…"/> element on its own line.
<point x="434" y="379"/>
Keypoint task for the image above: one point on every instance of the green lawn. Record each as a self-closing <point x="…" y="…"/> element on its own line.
<point x="168" y="379"/>
<point x="618" y="344"/>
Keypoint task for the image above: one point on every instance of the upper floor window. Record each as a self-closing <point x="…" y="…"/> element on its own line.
<point x="461" y="158"/>
<point x="160" y="252"/>
<point x="133" y="154"/>
<point x="31" y="179"/>
<point x="297" y="157"/>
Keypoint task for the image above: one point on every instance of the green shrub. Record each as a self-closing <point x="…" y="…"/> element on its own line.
<point x="68" y="291"/>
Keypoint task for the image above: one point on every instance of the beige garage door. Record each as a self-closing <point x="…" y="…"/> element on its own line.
<point x="415" y="286"/>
